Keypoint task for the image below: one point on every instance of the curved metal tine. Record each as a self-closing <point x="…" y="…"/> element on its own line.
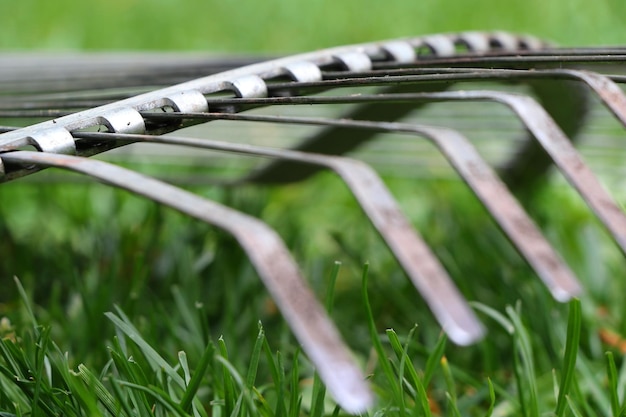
<point x="422" y="267"/>
<point x="564" y="155"/>
<point x="307" y="319"/>
<point x="505" y="209"/>
<point x="609" y="92"/>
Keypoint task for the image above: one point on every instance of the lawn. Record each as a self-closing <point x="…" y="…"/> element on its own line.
<point x="113" y="305"/>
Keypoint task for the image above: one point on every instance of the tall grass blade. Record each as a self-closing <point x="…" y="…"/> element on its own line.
<point x="434" y="359"/>
<point x="26" y="301"/>
<point x="255" y="358"/>
<point x="573" y="408"/>
<point x="394" y="341"/>
<point x="237" y="379"/>
<point x="612" y="376"/>
<point x="295" y="399"/>
<point x="227" y="378"/>
<point x="277" y="377"/>
<point x="492" y="398"/>
<point x="104" y="396"/>
<point x="524" y="365"/>
<point x="196" y="379"/>
<point x="330" y="294"/>
<point x="571" y="353"/>
<point x="450" y="385"/>
<point x="378" y="347"/>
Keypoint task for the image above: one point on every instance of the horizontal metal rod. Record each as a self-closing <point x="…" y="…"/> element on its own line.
<point x="515" y="60"/>
<point x="379" y="78"/>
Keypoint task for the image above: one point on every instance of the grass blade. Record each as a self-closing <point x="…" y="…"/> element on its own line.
<point x="245" y="393"/>
<point x="524" y="365"/>
<point x="295" y="398"/>
<point x="104" y="396"/>
<point x="229" y="389"/>
<point x="434" y="359"/>
<point x="255" y="358"/>
<point x="447" y="376"/>
<point x="612" y="376"/>
<point x="571" y="352"/>
<point x="492" y="398"/>
<point x="378" y="347"/>
<point x="196" y="379"/>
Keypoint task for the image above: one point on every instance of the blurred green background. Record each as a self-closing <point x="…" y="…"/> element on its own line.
<point x="289" y="26"/>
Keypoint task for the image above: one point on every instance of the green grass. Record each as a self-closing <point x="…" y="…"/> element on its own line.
<point x="291" y="26"/>
<point x="139" y="377"/>
<point x="123" y="307"/>
<point x="178" y="340"/>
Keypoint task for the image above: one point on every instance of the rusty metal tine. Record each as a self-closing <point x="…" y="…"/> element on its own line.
<point x="307" y="319"/>
<point x="505" y="209"/>
<point x="507" y="212"/>
<point x="422" y="267"/>
<point x="608" y="91"/>
<point x="565" y="157"/>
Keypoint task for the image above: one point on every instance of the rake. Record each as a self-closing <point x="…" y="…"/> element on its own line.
<point x="86" y="106"/>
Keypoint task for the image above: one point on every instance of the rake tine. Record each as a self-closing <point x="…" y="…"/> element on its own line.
<point x="426" y="273"/>
<point x="306" y="317"/>
<point x="505" y="209"/>
<point x="566" y="159"/>
<point x="609" y="92"/>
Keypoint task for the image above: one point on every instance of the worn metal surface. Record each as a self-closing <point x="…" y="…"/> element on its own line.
<point x="372" y="88"/>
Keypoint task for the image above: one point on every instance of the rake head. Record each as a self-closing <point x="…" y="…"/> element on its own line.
<point x="89" y="106"/>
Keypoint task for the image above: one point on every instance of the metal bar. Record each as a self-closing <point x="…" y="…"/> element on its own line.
<point x="411" y="75"/>
<point x="306" y="317"/>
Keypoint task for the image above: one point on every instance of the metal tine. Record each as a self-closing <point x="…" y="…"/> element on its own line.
<point x="565" y="156"/>
<point x="514" y="59"/>
<point x="422" y="267"/>
<point x="306" y="317"/>
<point x="492" y="192"/>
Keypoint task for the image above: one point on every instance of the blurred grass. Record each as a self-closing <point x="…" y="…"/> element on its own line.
<point x="289" y="26"/>
<point x="82" y="249"/>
